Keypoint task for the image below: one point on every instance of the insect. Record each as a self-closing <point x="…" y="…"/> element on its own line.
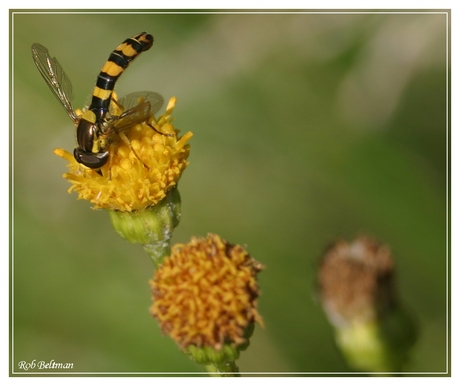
<point x="98" y="122"/>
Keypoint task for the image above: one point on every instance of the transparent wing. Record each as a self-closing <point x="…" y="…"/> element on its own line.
<point x="138" y="107"/>
<point x="131" y="100"/>
<point x="55" y="78"/>
<point x="131" y="117"/>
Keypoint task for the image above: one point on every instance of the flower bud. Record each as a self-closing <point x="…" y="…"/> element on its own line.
<point x="153" y="227"/>
<point x="357" y="291"/>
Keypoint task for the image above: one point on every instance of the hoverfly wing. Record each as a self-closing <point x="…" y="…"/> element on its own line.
<point x="131" y="100"/>
<point x="55" y="78"/>
<point x="133" y="116"/>
<point x="138" y="107"/>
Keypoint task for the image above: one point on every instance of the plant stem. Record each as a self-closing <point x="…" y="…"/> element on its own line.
<point x="228" y="369"/>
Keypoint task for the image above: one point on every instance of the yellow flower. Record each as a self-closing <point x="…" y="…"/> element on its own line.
<point x="205" y="293"/>
<point x="137" y="175"/>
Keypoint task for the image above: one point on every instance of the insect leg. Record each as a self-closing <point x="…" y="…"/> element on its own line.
<point x="158" y="131"/>
<point x="126" y="140"/>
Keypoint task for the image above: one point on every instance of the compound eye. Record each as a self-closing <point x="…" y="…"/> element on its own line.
<point x="86" y="134"/>
<point x="91" y="160"/>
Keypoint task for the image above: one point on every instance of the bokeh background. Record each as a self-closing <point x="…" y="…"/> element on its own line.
<point x="308" y="127"/>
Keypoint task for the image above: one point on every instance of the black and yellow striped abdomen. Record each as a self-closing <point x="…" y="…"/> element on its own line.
<point x="118" y="61"/>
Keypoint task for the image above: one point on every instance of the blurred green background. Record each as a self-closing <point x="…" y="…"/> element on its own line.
<point x="307" y="128"/>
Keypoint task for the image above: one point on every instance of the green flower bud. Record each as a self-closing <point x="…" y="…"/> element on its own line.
<point x="153" y="227"/>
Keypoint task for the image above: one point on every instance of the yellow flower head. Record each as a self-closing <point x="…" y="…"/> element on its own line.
<point x="205" y="293"/>
<point x="139" y="172"/>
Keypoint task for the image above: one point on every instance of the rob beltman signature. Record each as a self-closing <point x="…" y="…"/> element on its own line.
<point x="43" y="365"/>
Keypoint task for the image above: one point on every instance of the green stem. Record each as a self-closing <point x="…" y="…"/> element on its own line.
<point x="158" y="251"/>
<point x="228" y="369"/>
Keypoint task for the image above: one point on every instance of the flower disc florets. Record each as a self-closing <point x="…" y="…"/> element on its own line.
<point x="139" y="172"/>
<point x="205" y="293"/>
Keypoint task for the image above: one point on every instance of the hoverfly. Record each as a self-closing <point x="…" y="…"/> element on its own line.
<point x="98" y="122"/>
